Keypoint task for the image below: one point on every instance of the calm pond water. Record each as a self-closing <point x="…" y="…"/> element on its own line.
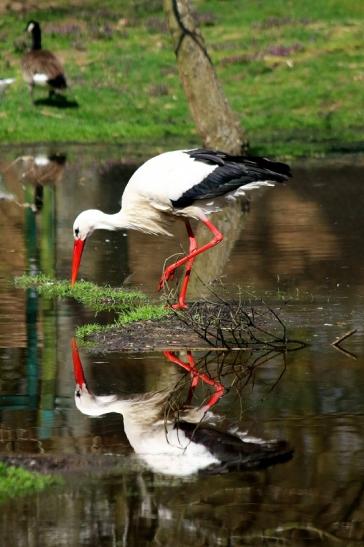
<point x="298" y="246"/>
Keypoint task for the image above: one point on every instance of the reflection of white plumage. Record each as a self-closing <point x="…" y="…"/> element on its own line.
<point x="180" y="446"/>
<point x="181" y="184"/>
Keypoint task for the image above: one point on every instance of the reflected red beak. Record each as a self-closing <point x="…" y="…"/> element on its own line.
<point x="76" y="260"/>
<point x="77" y="365"/>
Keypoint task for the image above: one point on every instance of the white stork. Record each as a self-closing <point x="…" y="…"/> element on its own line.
<point x="186" y="442"/>
<point x="182" y="184"/>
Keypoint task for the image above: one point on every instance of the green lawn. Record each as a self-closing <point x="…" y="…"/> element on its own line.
<point x="292" y="70"/>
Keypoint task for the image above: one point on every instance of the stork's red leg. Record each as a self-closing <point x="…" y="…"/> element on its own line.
<point x="169" y="271"/>
<point x="196" y="375"/>
<point x="190" y="366"/>
<point x="192" y="247"/>
<point x="77" y="365"/>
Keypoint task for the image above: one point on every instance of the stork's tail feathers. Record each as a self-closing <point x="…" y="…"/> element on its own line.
<point x="237" y="453"/>
<point x="261" y="456"/>
<point x="278" y="171"/>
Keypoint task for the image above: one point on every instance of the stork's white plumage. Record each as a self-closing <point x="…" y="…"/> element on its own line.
<point x="184" y="445"/>
<point x="181" y="184"/>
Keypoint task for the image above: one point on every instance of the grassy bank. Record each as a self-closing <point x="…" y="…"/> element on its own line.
<point x="128" y="306"/>
<point x="15" y="482"/>
<point x="293" y="72"/>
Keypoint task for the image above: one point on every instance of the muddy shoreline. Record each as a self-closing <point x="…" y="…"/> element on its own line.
<point x="222" y="326"/>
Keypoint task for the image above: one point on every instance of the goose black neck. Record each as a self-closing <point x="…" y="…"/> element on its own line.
<point x="36" y="38"/>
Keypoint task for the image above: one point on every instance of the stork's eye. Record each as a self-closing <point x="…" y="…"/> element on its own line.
<point x="78" y="393"/>
<point x="77" y="231"/>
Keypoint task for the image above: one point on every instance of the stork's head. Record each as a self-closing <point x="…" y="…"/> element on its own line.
<point x="86" y="223"/>
<point x="83" y="226"/>
<point x="86" y="402"/>
<point x="82" y="394"/>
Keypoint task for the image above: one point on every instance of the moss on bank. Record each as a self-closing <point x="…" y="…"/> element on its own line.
<point x="143" y="313"/>
<point x="15" y="481"/>
<point x="128" y="306"/>
<point x="96" y="298"/>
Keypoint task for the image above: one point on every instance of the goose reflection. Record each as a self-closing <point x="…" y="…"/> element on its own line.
<point x="24" y="179"/>
<point x="41" y="170"/>
<point x="186" y="439"/>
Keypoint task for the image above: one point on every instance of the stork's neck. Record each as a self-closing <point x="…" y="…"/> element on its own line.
<point x="99" y="405"/>
<point x="117" y="221"/>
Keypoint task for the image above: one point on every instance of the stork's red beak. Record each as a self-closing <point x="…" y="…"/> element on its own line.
<point x="77" y="365"/>
<point x="77" y="254"/>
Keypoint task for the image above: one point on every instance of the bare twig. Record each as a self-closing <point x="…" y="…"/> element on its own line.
<point x="346" y="352"/>
<point x="338" y="341"/>
<point x="277" y="532"/>
<point x="337" y="344"/>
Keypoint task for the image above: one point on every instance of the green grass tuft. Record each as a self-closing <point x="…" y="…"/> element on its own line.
<point x="148" y="312"/>
<point x="84" y="331"/>
<point x="129" y="306"/>
<point x="15" y="481"/>
<point x="96" y="298"/>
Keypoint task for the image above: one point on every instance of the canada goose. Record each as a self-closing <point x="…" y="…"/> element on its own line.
<point x="40" y="66"/>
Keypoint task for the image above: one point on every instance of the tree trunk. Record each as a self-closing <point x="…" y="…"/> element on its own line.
<point x="210" y="109"/>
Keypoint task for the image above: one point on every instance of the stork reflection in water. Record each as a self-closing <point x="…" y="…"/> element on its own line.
<point x="186" y="440"/>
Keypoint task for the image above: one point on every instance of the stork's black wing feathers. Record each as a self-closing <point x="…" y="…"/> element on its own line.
<point x="220" y="158"/>
<point x="231" y="172"/>
<point x="234" y="453"/>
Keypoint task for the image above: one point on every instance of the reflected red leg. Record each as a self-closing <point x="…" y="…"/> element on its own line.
<point x="196" y="375"/>
<point x="194" y="371"/>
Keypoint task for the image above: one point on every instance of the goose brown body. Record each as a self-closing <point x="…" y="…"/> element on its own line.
<point x="40" y="66"/>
